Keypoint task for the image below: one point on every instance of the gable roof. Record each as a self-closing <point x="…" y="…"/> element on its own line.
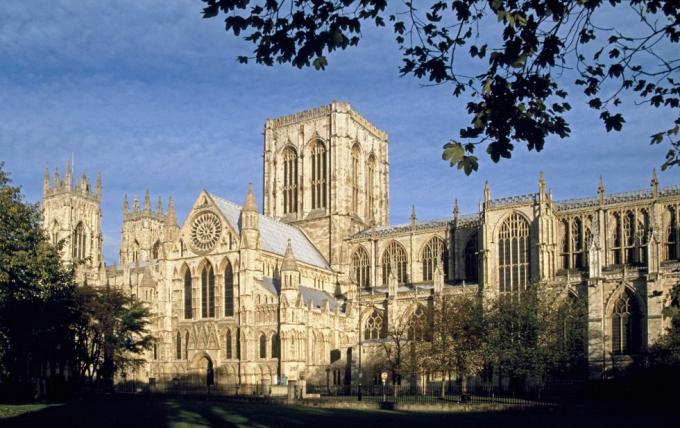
<point x="274" y="235"/>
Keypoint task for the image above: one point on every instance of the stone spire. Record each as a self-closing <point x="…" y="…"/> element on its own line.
<point x="171" y="218"/>
<point x="413" y="216"/>
<point x="456" y="212"/>
<point x="541" y="184"/>
<point x="125" y="205"/>
<point x="98" y="186"/>
<point x="135" y="204"/>
<point x="487" y="194"/>
<point x="147" y="203"/>
<point x="84" y="185"/>
<point x="57" y="181"/>
<point x="46" y="182"/>
<point x="289" y="263"/>
<point x="600" y="191"/>
<point x="250" y="204"/>
<point x="655" y="184"/>
<point x="159" y="206"/>
<point x="67" y="175"/>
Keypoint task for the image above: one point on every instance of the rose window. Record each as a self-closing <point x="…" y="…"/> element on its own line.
<point x="205" y="231"/>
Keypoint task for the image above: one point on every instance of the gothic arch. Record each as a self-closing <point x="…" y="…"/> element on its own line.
<point x="290" y="186"/>
<point x="513" y="236"/>
<point x="433" y="252"/>
<point x="625" y="318"/>
<point x="394" y="258"/>
<point x="317" y="179"/>
<point x="207" y="288"/>
<point x="187" y="291"/>
<point x="360" y="269"/>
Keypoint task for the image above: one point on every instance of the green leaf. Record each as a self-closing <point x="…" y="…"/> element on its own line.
<point x="453" y="152"/>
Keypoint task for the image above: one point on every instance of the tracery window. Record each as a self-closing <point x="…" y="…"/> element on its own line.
<point x="394" y="259"/>
<point x="55" y="232"/>
<point x="188" y="309"/>
<point x="263" y="346"/>
<point x="361" y="268"/>
<point x="319" y="171"/>
<point x="356" y="153"/>
<point x="186" y="345"/>
<point x="375" y="326"/>
<point x="629" y="240"/>
<point x="79" y="242"/>
<point x="229" y="345"/>
<point x="229" y="291"/>
<point x="573" y="249"/>
<point x="208" y="292"/>
<point x="370" y="188"/>
<point x="672" y="234"/>
<point x="290" y="180"/>
<point x="417" y="325"/>
<point x="626" y="325"/>
<point x="275" y="346"/>
<point x="513" y="254"/>
<point x="178" y="346"/>
<point x="471" y="260"/>
<point x="434" y="254"/>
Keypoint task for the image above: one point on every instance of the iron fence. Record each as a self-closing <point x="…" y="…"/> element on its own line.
<point x="195" y="388"/>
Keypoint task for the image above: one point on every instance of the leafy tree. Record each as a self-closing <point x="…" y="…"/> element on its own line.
<point x="112" y="335"/>
<point x="520" y="57"/>
<point x="533" y="334"/>
<point x="458" y="343"/>
<point x="400" y="354"/>
<point x="665" y="353"/>
<point x="38" y="298"/>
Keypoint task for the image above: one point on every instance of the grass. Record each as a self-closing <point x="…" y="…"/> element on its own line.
<point x="147" y="412"/>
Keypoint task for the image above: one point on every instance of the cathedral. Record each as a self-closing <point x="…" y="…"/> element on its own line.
<point x="308" y="287"/>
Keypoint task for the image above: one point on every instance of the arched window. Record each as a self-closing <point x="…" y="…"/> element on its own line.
<point x="629" y="240"/>
<point x="178" y="347"/>
<point x="238" y="343"/>
<point x="290" y="180"/>
<point x="156" y="251"/>
<point x="78" y="243"/>
<point x="433" y="255"/>
<point x="356" y="153"/>
<point x="228" y="291"/>
<point x="629" y="236"/>
<point x="626" y="328"/>
<point x="208" y="292"/>
<point x="188" y="309"/>
<point x="471" y="260"/>
<point x="394" y="259"/>
<point x="573" y="237"/>
<point x="417" y="325"/>
<point x="513" y="254"/>
<point x="370" y="188"/>
<point x="135" y="251"/>
<point x="671" y="235"/>
<point x="361" y="268"/>
<point x="275" y="346"/>
<point x="617" y="258"/>
<point x="263" y="346"/>
<point x="186" y="345"/>
<point x="375" y="326"/>
<point x="319" y="170"/>
<point x="228" y="345"/>
<point x="55" y="232"/>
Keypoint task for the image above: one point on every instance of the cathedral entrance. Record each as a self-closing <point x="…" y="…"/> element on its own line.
<point x="204" y="371"/>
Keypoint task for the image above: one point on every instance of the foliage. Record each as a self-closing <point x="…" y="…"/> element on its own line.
<point x="112" y="335"/>
<point x="517" y="70"/>
<point x="665" y="352"/>
<point x="458" y="341"/>
<point x="401" y="355"/>
<point x="38" y="298"/>
<point x="533" y="334"/>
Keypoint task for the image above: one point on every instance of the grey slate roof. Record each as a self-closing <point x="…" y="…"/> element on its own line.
<point x="317" y="297"/>
<point x="274" y="235"/>
<point x="405" y="227"/>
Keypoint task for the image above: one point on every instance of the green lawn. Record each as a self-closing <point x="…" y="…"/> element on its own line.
<point x="144" y="411"/>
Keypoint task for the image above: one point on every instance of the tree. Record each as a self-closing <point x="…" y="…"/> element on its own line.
<point x="534" y="334"/>
<point x="401" y="354"/>
<point x="518" y="69"/>
<point x="665" y="352"/>
<point x="38" y="298"/>
<point x="112" y="335"/>
<point x="458" y="343"/>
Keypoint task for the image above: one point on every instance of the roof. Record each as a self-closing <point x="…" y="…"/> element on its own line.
<point x="405" y="227"/>
<point x="274" y="235"/>
<point x="615" y="198"/>
<point x="318" y="297"/>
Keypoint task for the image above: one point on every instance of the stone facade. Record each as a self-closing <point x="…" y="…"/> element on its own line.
<point x="309" y="288"/>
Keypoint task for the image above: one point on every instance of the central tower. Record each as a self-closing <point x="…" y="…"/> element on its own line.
<point x="326" y="171"/>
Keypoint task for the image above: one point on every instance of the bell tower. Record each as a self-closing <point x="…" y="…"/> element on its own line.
<point x="326" y="171"/>
<point x="71" y="213"/>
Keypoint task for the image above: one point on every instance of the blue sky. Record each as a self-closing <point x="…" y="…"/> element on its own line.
<point x="150" y="94"/>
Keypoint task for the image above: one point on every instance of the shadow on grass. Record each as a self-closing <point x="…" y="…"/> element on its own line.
<point x="149" y="411"/>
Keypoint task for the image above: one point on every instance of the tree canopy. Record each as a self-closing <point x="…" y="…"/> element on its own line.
<point x="516" y="60"/>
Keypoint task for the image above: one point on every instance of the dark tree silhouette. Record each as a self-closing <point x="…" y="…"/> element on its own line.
<point x="522" y="56"/>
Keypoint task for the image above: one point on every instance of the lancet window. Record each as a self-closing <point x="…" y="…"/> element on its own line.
<point x="229" y="345"/>
<point x="434" y="254"/>
<point x="370" y="188"/>
<point x="263" y="346"/>
<point x="629" y="237"/>
<point x="626" y="330"/>
<point x="375" y="326"/>
<point x="208" y="292"/>
<point x="417" y="325"/>
<point x="79" y="242"/>
<point x="471" y="260"/>
<point x="188" y="301"/>
<point x="672" y="234"/>
<point x="319" y="174"/>
<point x="229" y="291"/>
<point x="356" y="154"/>
<point x="290" y="180"/>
